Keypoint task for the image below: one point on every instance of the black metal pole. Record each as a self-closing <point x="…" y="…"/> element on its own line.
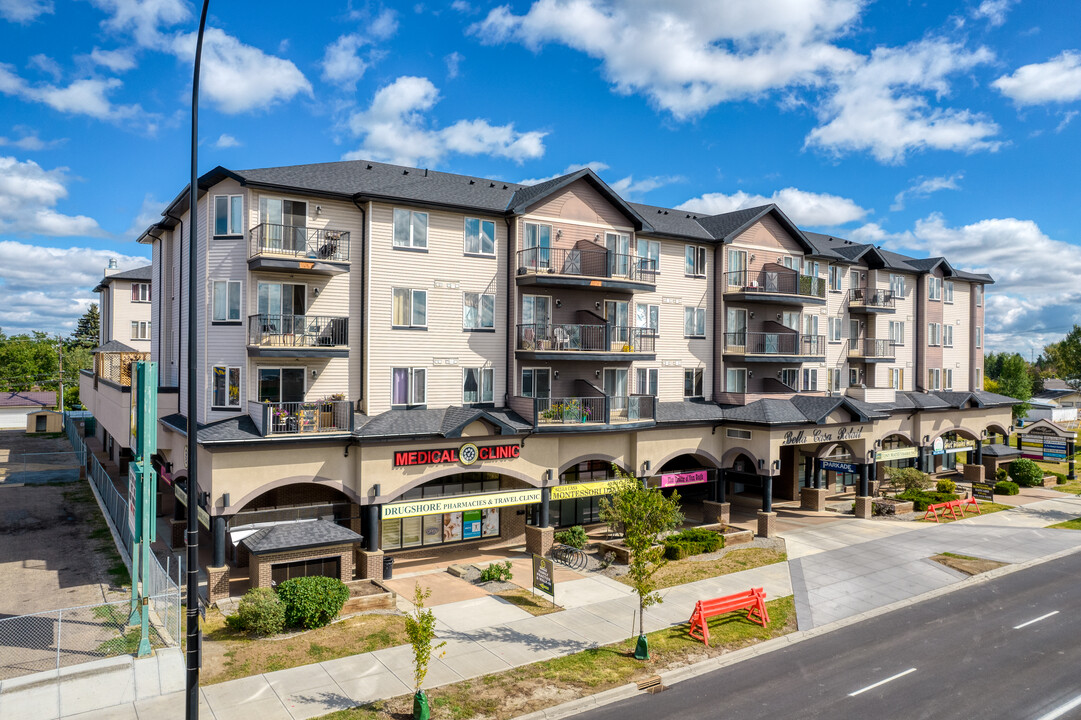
<point x="193" y="639"/>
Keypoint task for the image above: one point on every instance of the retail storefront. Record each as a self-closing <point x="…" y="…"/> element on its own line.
<point x="449" y="510"/>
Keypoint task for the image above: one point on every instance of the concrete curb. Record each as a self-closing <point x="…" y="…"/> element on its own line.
<point x="671" y="677"/>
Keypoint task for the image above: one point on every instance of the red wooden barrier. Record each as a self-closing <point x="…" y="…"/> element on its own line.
<point x="753" y="599"/>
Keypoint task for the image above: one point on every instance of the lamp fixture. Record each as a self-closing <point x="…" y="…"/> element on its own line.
<point x="926" y="439"/>
<point x="597" y="373"/>
<point x="559" y="303"/>
<point x="597" y="304"/>
<point x="750" y="314"/>
<point x="315" y="372"/>
<point x="780" y="260"/>
<point x="559" y="232"/>
<point x="761" y="464"/>
<point x="645" y="466"/>
<point x="750" y="373"/>
<point x="752" y="258"/>
<point x="555" y="374"/>
<point x="779" y="317"/>
<point x="780" y="374"/>
<point x="315" y="292"/>
<point x="870" y="455"/>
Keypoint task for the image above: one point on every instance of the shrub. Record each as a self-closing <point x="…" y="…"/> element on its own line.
<point x="909" y="479"/>
<point x="693" y="541"/>
<point x="1060" y="478"/>
<point x="260" y="612"/>
<point x="1000" y="474"/>
<point x="1005" y="487"/>
<point x="499" y="572"/>
<point x="575" y="537"/>
<point x="313" y="601"/>
<point x="1026" y="473"/>
<point x="608" y="559"/>
<point x="946" y="486"/>
<point x="921" y="499"/>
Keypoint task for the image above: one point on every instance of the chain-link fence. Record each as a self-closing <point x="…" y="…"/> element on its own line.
<point x="116" y="506"/>
<point x="40" y="468"/>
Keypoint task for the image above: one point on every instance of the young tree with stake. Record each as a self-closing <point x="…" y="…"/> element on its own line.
<point x="420" y="627"/>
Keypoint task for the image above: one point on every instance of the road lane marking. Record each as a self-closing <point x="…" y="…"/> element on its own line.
<point x="1035" y="620"/>
<point x="1059" y="712"/>
<point x="882" y="682"/>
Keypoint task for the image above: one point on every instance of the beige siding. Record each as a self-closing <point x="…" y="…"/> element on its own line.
<point x="580" y="202"/>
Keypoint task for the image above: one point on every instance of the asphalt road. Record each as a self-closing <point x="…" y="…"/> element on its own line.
<point x="990" y="651"/>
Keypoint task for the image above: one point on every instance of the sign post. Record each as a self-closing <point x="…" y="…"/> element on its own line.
<point x="983" y="491"/>
<point x="544" y="575"/>
<point x="142" y="495"/>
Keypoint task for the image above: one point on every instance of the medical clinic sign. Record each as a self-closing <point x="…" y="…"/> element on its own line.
<point x="466" y="454"/>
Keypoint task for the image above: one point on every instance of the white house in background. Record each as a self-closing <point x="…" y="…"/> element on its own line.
<point x="125" y="307"/>
<point x="15" y="405"/>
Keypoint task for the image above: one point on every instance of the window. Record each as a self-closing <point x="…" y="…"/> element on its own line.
<point x="979" y="295"/>
<point x="737" y="268"/>
<point x="410" y="308"/>
<point x="790" y="320"/>
<point x="833" y="379"/>
<point x="408" y="386"/>
<point x="979" y="379"/>
<point x="853" y="377"/>
<point x="947" y="335"/>
<point x="934" y="379"/>
<point x="694" y="322"/>
<point x="897" y="378"/>
<point x="478" y="311"/>
<point x="897" y="285"/>
<point x="479" y="236"/>
<point x="810" y="379"/>
<point x="947" y="379"/>
<point x="410" y="229"/>
<point x="226" y="386"/>
<point x="538" y="240"/>
<point x="645" y="381"/>
<point x="897" y="333"/>
<point x="140" y="292"/>
<point x="947" y="291"/>
<point x="647" y="317"/>
<point x="692" y="383"/>
<point x="536" y="382"/>
<point x="790" y="377"/>
<point x="934" y="334"/>
<point x="934" y="288"/>
<point x="835" y="278"/>
<point x="140" y="330"/>
<point x="228" y="215"/>
<point x="735" y="380"/>
<point x="284" y="224"/>
<point x="226" y="301"/>
<point x="695" y="261"/>
<point x="979" y="336"/>
<point x="810" y="268"/>
<point x="735" y="433"/>
<point x="835" y="325"/>
<point x="650" y="251"/>
<point x="477" y="384"/>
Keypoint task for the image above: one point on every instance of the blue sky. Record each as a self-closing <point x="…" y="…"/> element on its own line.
<point x="933" y="128"/>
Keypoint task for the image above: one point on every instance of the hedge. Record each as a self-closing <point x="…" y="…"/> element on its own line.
<point x="1026" y="473"/>
<point x="260" y="612"/>
<point x="921" y="499"/>
<point x="1005" y="487"/>
<point x="575" y="537"/>
<point x="312" y="601"/>
<point x="693" y="541"/>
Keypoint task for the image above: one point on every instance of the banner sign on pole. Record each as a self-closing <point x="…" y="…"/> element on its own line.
<point x="133" y="504"/>
<point x="544" y="575"/>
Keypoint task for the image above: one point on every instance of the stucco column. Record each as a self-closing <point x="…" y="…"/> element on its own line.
<point x="219" y="540"/>
<point x="371" y="541"/>
<point x="546" y="501"/>
<point x="767" y="493"/>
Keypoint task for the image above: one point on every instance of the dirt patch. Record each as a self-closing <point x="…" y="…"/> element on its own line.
<point x="36" y="459"/>
<point x="967" y="564"/>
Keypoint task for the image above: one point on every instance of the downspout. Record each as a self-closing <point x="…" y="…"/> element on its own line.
<point x="510" y="322"/>
<point x="363" y="310"/>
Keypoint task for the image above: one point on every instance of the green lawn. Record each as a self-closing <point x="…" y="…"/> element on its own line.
<point x="1074" y="524"/>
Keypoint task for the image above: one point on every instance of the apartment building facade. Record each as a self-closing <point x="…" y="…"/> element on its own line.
<point x="428" y="358"/>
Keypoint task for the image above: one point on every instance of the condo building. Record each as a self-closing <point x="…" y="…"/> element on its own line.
<point x="392" y="358"/>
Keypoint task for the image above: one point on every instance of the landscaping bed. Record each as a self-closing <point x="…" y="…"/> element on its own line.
<point x="722" y="562"/>
<point x="367" y="595"/>
<point x="966" y="563"/>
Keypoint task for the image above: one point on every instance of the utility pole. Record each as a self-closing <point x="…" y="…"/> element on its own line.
<point x="60" y="352"/>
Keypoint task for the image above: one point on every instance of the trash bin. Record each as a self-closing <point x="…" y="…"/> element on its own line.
<point x="388" y="567"/>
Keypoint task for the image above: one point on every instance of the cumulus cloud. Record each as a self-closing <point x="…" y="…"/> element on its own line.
<point x="923" y="187"/>
<point x="119" y="60"/>
<point x="994" y="11"/>
<point x="384" y="25"/>
<point x="28" y="140"/>
<point x="47" y="65"/>
<point x="395" y="128"/>
<point x="630" y="189"/>
<point x="143" y="19"/>
<point x="87" y="96"/>
<point x="28" y="197"/>
<point x="52" y="291"/>
<point x="1056" y="81"/>
<point x="225" y="140"/>
<point x="25" y="11"/>
<point x="803" y="208"/>
<point x="149" y="213"/>
<point x="595" y="165"/>
<point x="881" y="106"/>
<point x="341" y="63"/>
<point x="453" y="61"/>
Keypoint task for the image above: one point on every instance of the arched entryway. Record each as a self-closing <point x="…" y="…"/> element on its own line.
<point x="896" y="451"/>
<point x="697" y="475"/>
<point x="583" y="510"/>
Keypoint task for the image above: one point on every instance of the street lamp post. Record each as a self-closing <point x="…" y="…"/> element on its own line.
<point x="194" y="641"/>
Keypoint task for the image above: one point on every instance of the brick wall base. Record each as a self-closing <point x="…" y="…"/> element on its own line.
<point x="715" y="512"/>
<point x="538" y="540"/>
<point x="974" y="473"/>
<point x="813" y="498"/>
<point x="863" y="507"/>
<point x="260" y="566"/>
<point x="218" y="583"/>
<point x="370" y="564"/>
<point x="767" y="524"/>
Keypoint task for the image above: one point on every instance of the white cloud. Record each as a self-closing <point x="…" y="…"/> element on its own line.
<point x="24" y="11"/>
<point x="28" y="140"/>
<point x="47" y="65"/>
<point x="119" y="60"/>
<point x="1057" y="80"/>
<point x="395" y="129"/>
<point x="595" y="165"/>
<point x="142" y="18"/>
<point x="87" y="96"/>
<point x="240" y="78"/>
<point x="453" y="61"/>
<point x="881" y="105"/>
<point x="28" y="196"/>
<point x="49" y="288"/>
<point x="341" y="63"/>
<point x="1067" y="118"/>
<point x="924" y="187"/>
<point x="226" y="141"/>
<point x="149" y="213"/>
<point x="384" y="26"/>
<point x="629" y="189"/>
<point x="804" y="208"/>
<point x="993" y="10"/>
<point x="688" y="56"/>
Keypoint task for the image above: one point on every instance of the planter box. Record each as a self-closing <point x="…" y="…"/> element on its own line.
<point x="623" y="556"/>
<point x="368" y="595"/>
<point x="1050" y="481"/>
<point x="732" y="535"/>
<point x="893" y="507"/>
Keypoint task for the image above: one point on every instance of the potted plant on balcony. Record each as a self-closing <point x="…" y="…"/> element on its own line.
<point x="283" y="420"/>
<point x="326" y="411"/>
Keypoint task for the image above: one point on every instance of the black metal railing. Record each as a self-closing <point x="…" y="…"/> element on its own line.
<point x="870" y="348"/>
<point x="601" y="409"/>
<point x="871" y="297"/>
<point x="301" y="242"/>
<point x="303" y="418"/>
<point x="585" y="338"/>
<point x="778" y="282"/>
<point x="767" y="343"/>
<point x="585" y="262"/>
<point x="298" y="330"/>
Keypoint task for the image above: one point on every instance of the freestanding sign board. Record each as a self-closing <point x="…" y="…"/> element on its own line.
<point x="544" y="575"/>
<point x="983" y="491"/>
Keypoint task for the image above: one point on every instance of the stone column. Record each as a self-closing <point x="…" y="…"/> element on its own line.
<point x="716" y="512"/>
<point x="370" y="564"/>
<point x="217" y="583"/>
<point x="539" y="540"/>
<point x="863" y="500"/>
<point x="545" y="508"/>
<point x="813" y="498"/>
<point x="767" y="524"/>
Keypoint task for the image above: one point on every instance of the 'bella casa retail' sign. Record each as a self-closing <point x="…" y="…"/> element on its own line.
<point x="819" y="436"/>
<point x="466" y="454"/>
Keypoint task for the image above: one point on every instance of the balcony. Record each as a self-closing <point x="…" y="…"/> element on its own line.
<point x="871" y="300"/>
<point x="871" y="350"/>
<point x="776" y="284"/>
<point x="775" y="347"/>
<point x="313" y="417"/>
<point x="609" y="343"/>
<point x="587" y="413"/>
<point x="585" y="267"/>
<point x="284" y="248"/>
<point x="296" y="336"/>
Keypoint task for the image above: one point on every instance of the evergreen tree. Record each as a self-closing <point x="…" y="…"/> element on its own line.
<point x="87" y="331"/>
<point x="1015" y="382"/>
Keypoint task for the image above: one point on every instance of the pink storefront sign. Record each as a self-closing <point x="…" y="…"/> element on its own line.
<point x="687" y="478"/>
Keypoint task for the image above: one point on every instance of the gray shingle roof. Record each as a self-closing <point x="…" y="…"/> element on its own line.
<point x="28" y="398"/>
<point x="689" y="411"/>
<point x="666" y="221"/>
<point x="114" y="346"/>
<point x="444" y="422"/>
<point x="299" y="535"/>
<point x="1000" y="450"/>
<point x="142" y="274"/>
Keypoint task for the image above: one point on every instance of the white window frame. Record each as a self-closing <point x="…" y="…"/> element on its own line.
<point x="534" y="371"/>
<point x="652" y="319"/>
<point x="413" y="244"/>
<point x="694" y="261"/>
<point x="836" y="330"/>
<point x="947" y="378"/>
<point x="793" y="375"/>
<point x="833" y="379"/>
<point x="481" y="223"/>
<point x="239" y="386"/>
<point x="934" y="378"/>
<point x="836" y="278"/>
<point x="897" y="285"/>
<point x="140" y="329"/>
<point x="412" y="294"/>
<point x="810" y="380"/>
<point x="229" y="285"/>
<point x="979" y="295"/>
<point x="810" y="268"/>
<point x="728" y="374"/>
<point x="412" y="399"/>
<point x="853" y="376"/>
<point x="897" y="332"/>
<point x="979" y="378"/>
<point x="947" y="335"/>
<point x="934" y="288"/>
<point x="947" y="291"/>
<point x="647" y="255"/>
<point x="897" y="378"/>
<point x="934" y="334"/>
<point x="140" y="292"/>
<point x="979" y="336"/>
<point x="481" y="372"/>
<point x="651" y="380"/>
<point x="234" y="221"/>
<point x="698" y="382"/>
<point x="699" y="321"/>
<point x="478" y="314"/>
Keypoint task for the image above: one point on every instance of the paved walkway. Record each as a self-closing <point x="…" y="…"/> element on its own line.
<point x="836" y="570"/>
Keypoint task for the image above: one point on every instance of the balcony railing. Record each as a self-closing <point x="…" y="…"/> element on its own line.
<point x="766" y="343"/>
<point x="586" y="263"/>
<point x="302" y="418"/>
<point x="777" y="282"/>
<point x="597" y="410"/>
<point x="586" y="338"/>
<point x="871" y="298"/>
<point x="870" y="348"/>
<point x="299" y="242"/>
<point x="298" y="331"/>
